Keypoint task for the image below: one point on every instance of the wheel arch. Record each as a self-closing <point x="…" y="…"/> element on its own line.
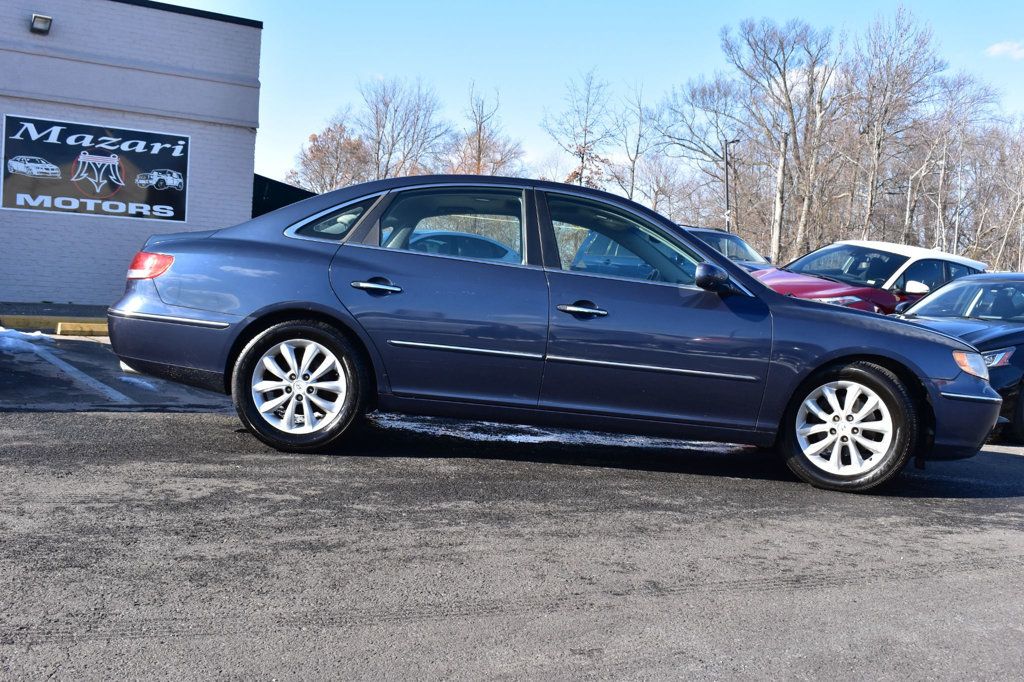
<point x="903" y="372"/>
<point x="263" y="321"/>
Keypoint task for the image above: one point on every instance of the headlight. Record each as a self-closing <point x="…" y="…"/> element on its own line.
<point x="840" y="300"/>
<point x="972" y="363"/>
<point x="998" y="358"/>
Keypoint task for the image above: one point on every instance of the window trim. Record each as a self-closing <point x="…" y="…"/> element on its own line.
<point x="291" y="230"/>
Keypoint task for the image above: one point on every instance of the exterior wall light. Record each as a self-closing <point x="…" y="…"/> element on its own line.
<point x="41" y="24"/>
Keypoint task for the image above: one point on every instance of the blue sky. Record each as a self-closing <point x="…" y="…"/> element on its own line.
<point x="316" y="52"/>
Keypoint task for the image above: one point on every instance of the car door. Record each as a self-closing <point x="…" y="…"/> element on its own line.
<point x="451" y="327"/>
<point x="652" y="347"/>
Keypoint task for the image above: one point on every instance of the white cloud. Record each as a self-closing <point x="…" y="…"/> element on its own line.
<point x="1007" y="48"/>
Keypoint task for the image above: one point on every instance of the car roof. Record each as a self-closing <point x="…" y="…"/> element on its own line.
<point x="993" y="277"/>
<point x="709" y="230"/>
<point x="411" y="181"/>
<point x="915" y="252"/>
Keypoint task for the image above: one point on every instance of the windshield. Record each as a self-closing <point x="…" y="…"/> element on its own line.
<point x="730" y="246"/>
<point x="981" y="300"/>
<point x="849" y="264"/>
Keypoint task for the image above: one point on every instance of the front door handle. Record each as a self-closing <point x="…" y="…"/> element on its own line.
<point x="588" y="309"/>
<point x="378" y="285"/>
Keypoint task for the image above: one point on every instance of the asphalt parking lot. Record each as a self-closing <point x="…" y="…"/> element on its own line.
<point x="147" y="535"/>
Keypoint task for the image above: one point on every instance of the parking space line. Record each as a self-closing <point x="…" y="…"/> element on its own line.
<point x="81" y="377"/>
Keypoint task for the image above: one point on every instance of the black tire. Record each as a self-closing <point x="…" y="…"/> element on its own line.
<point x="356" y="375"/>
<point x="906" y="431"/>
<point x="161" y="184"/>
<point x="1014" y="431"/>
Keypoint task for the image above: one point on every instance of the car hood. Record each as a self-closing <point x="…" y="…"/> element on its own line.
<point x="982" y="334"/>
<point x="807" y="286"/>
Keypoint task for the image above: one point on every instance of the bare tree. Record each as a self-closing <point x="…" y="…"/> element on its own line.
<point x="896" y="66"/>
<point x="788" y="75"/>
<point x="401" y="127"/>
<point x="482" y="148"/>
<point x="331" y="159"/>
<point x="583" y="129"/>
<point x="635" y="137"/>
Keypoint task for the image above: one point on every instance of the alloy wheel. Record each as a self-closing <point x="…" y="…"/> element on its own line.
<point x="844" y="428"/>
<point x="299" y="386"/>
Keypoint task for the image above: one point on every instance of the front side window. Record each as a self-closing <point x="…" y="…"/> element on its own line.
<point x="482" y="224"/>
<point x="929" y="272"/>
<point x="849" y="264"/>
<point x="593" y="237"/>
<point x="336" y="225"/>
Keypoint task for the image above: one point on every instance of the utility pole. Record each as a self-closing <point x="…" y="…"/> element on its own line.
<point x="728" y="210"/>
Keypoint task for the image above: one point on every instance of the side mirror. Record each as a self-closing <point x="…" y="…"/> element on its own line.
<point x="902" y="307"/>
<point x="710" y="277"/>
<point x="915" y="288"/>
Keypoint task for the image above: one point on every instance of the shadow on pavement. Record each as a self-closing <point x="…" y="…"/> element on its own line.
<point x="989" y="474"/>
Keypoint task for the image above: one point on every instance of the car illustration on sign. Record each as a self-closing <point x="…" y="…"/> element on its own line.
<point x="314" y="314"/>
<point x="161" y="178"/>
<point x="33" y="167"/>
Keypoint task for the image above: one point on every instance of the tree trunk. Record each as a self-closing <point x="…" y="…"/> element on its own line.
<point x="869" y="202"/>
<point x="908" y="212"/>
<point x="780" y="198"/>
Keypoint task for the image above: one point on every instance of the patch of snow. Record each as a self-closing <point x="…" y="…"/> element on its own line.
<point x="138" y="381"/>
<point x="13" y="341"/>
<point x="505" y="433"/>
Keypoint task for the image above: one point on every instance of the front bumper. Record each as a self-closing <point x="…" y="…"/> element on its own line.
<point x="966" y="410"/>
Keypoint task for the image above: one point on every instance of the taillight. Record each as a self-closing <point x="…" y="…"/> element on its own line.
<point x="147" y="265"/>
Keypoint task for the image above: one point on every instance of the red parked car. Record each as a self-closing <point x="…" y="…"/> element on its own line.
<point x="868" y="275"/>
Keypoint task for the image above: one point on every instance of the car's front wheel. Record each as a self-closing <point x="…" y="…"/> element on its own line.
<point x="850" y="428"/>
<point x="299" y="386"/>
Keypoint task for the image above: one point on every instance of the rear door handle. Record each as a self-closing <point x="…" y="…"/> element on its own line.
<point x="575" y="309"/>
<point x="377" y="284"/>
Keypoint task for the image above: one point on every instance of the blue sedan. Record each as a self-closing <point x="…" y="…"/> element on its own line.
<point x="986" y="311"/>
<point x="314" y="314"/>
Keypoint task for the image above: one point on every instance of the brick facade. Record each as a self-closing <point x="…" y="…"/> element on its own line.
<point x="127" y="66"/>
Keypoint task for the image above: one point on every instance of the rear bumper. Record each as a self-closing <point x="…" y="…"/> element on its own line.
<point x="966" y="411"/>
<point x="187" y="350"/>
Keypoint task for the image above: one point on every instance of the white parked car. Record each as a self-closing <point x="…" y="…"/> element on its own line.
<point x="33" y="167"/>
<point x="868" y="275"/>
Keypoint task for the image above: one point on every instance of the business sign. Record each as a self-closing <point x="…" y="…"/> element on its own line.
<point x="64" y="167"/>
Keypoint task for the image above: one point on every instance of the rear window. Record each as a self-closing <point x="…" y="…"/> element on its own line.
<point x="338" y="224"/>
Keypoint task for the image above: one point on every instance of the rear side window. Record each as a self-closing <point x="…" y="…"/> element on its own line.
<point x="337" y="225"/>
<point x="956" y="271"/>
<point x="482" y="224"/>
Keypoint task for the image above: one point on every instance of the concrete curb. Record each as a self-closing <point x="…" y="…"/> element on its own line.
<point x="63" y="325"/>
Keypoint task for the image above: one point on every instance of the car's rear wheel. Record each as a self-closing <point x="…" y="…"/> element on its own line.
<point x="299" y="386"/>
<point x="850" y="428"/>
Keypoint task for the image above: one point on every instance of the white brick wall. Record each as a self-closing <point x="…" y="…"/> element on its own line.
<point x="158" y="71"/>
